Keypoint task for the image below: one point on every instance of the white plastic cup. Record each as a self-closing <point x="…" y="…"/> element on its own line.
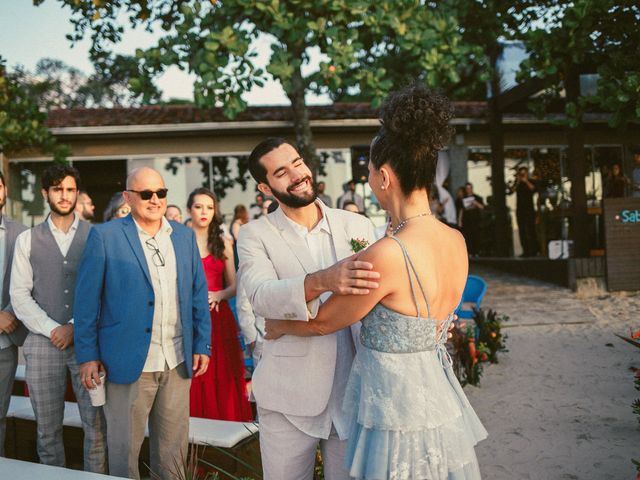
<point x="97" y="393"/>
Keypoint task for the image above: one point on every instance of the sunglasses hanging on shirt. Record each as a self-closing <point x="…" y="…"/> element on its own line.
<point x="157" y="257"/>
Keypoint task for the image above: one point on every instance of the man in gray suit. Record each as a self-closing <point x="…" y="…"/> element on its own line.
<point x="43" y="281"/>
<point x="12" y="331"/>
<point x="290" y="260"/>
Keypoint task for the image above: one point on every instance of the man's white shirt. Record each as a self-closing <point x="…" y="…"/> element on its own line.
<point x="24" y="306"/>
<point x="166" y="332"/>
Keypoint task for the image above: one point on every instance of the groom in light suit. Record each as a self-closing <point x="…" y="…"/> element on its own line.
<point x="290" y="261"/>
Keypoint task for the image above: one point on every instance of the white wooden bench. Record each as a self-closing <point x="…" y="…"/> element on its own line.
<point x="19" y="470"/>
<point x="237" y="438"/>
<point x="21" y="371"/>
<point x="219" y="433"/>
<point x="20" y="407"/>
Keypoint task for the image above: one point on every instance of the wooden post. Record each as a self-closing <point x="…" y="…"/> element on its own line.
<point x="575" y="154"/>
<point x="498" y="186"/>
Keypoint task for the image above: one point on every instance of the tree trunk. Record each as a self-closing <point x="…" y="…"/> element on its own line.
<point x="498" y="186"/>
<point x="575" y="154"/>
<point x="302" y="127"/>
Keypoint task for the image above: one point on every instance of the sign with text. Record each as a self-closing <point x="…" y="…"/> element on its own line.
<point x="622" y="239"/>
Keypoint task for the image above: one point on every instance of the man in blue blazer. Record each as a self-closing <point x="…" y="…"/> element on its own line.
<point x="141" y="313"/>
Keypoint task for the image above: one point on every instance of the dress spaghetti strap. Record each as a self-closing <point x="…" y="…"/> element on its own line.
<point x="409" y="264"/>
<point x="444" y="327"/>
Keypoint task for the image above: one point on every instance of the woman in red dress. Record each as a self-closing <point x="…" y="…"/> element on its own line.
<point x="221" y="392"/>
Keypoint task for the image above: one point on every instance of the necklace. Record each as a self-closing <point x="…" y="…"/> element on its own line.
<point x="404" y="222"/>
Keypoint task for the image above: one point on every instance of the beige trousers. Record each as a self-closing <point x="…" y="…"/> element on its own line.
<point x="162" y="398"/>
<point x="290" y="454"/>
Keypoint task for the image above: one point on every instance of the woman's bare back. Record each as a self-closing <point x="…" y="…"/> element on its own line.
<point x="439" y="256"/>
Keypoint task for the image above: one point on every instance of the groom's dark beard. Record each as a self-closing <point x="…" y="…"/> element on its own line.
<point x="294" y="201"/>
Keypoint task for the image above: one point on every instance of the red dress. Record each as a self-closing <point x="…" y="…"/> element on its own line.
<point x="221" y="393"/>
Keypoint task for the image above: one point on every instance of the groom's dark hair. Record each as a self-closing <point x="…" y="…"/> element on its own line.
<point x="257" y="170"/>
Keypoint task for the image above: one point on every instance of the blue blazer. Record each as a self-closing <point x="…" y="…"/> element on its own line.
<point x="114" y="299"/>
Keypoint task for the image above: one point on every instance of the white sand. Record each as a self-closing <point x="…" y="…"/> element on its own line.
<point x="558" y="405"/>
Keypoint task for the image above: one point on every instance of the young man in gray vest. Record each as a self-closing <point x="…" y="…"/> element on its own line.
<point x="42" y="293"/>
<point x="12" y="332"/>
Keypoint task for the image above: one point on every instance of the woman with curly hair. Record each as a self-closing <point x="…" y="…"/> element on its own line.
<point x="221" y="392"/>
<point x="410" y="418"/>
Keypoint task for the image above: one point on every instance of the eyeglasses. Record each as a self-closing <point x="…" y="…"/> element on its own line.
<point x="147" y="194"/>
<point x="157" y="258"/>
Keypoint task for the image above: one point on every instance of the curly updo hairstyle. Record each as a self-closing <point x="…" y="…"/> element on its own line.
<point x="215" y="243"/>
<point x="415" y="125"/>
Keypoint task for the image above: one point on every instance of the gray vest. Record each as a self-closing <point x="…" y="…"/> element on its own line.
<point x="54" y="276"/>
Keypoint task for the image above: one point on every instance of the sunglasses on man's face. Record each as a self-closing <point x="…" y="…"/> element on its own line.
<point x="147" y="194"/>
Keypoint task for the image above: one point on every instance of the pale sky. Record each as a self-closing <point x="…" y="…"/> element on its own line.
<point x="29" y="33"/>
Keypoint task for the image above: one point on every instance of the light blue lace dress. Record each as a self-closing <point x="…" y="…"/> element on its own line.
<point x="411" y="418"/>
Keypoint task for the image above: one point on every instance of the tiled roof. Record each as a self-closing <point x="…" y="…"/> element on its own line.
<point x="185" y="114"/>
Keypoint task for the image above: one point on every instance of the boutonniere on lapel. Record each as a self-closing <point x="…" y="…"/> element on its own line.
<point x="358" y="244"/>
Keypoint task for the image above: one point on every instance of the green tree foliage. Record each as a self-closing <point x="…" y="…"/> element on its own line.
<point x="368" y="48"/>
<point x="22" y="121"/>
<point x="54" y="84"/>
<point x="599" y="37"/>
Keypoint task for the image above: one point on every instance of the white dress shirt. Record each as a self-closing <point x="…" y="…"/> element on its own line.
<point x="320" y="244"/>
<point x="25" y="307"/>
<point x="166" y="347"/>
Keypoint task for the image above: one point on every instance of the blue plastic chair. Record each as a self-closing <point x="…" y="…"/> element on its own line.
<point x="474" y="291"/>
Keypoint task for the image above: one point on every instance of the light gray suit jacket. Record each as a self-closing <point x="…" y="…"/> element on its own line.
<point x="295" y="374"/>
<point x="13" y="229"/>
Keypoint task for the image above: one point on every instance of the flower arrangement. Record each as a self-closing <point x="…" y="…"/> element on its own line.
<point x="465" y="354"/>
<point x="473" y="344"/>
<point x="489" y="332"/>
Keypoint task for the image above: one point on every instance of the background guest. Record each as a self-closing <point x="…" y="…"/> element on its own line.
<point x="240" y="217"/>
<point x="116" y="208"/>
<point x="525" y="212"/>
<point x="12" y="331"/>
<point x="42" y="293"/>
<point x="350" y="195"/>
<point x="221" y="392"/>
<point x="617" y="184"/>
<point x="141" y="314"/>
<point x="350" y="207"/>
<point x="326" y="199"/>
<point x="266" y="205"/>
<point x="470" y="217"/>
<point x="256" y="209"/>
<point x="173" y="213"/>
<point x="85" y="207"/>
<point x="436" y="207"/>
